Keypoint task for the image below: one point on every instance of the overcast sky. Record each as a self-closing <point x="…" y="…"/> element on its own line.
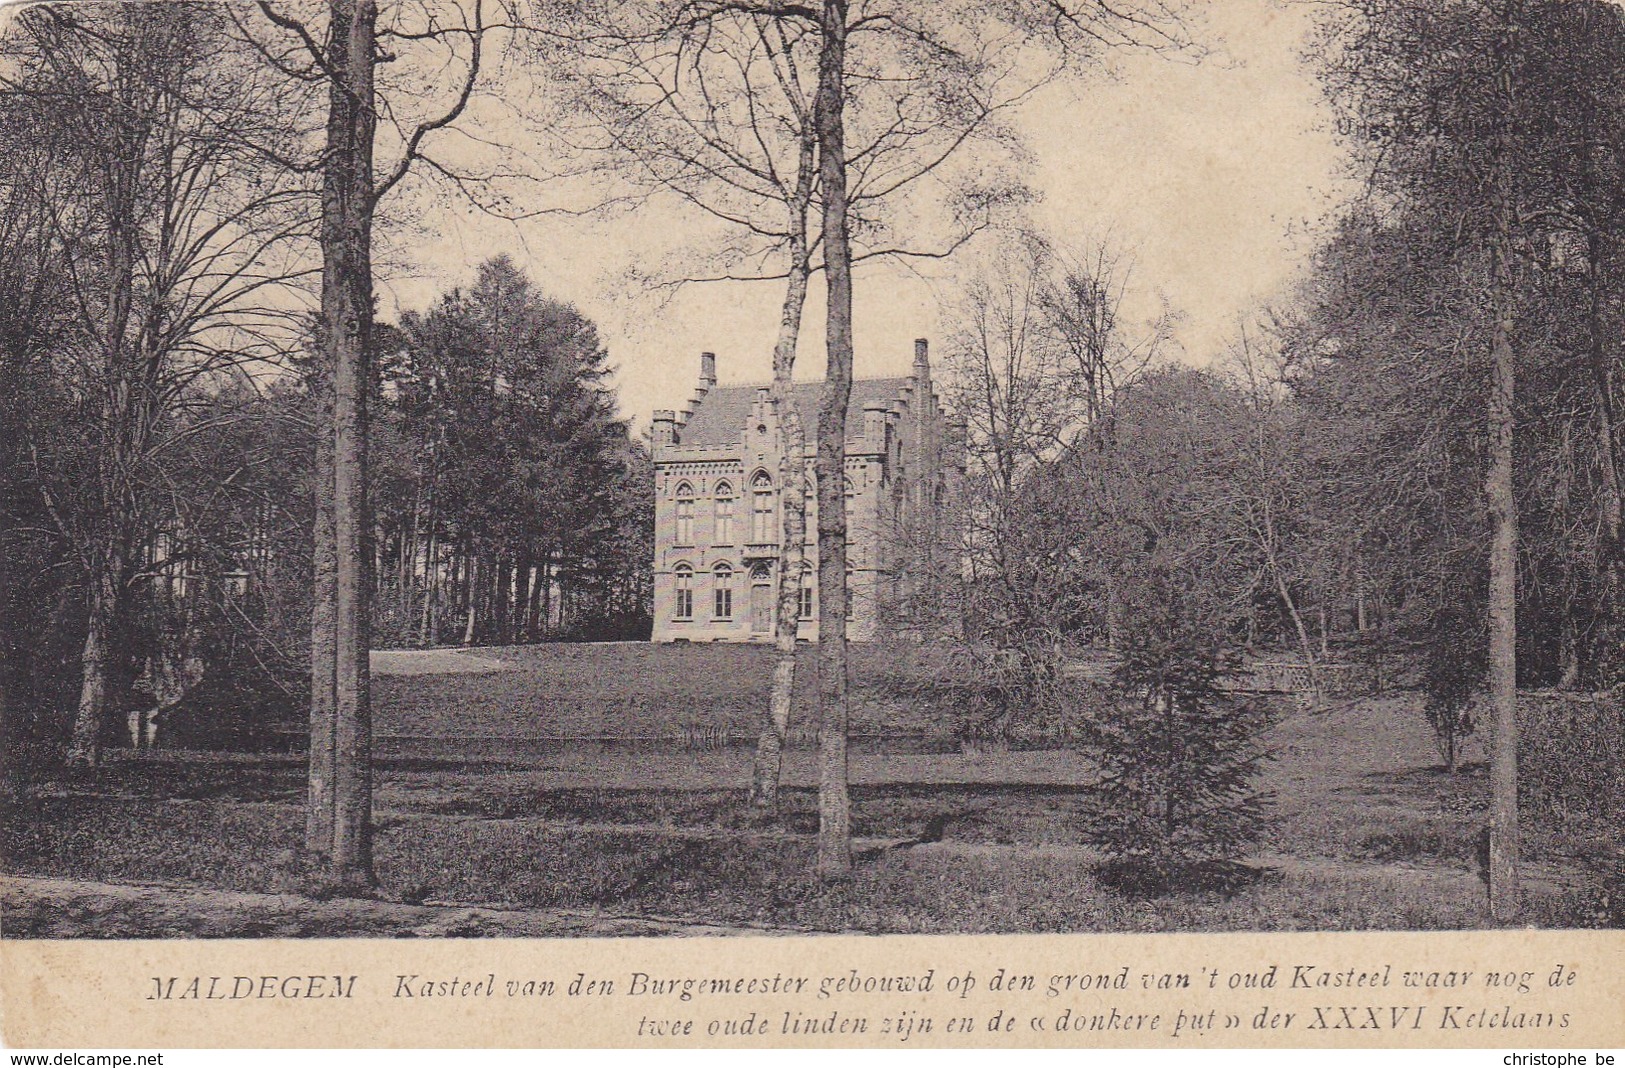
<point x="1216" y="176"/>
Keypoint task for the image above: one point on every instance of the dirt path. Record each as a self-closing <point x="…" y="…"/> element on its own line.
<point x="74" y="908"/>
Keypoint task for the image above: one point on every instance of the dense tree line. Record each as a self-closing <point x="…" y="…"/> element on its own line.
<point x="511" y="503"/>
<point x="1346" y="435"/>
<point x="1414" y="462"/>
<point x="1491" y="135"/>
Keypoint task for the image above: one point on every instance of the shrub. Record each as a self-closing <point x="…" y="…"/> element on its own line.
<point x="1012" y="692"/>
<point x="1453" y="675"/>
<point x="1571" y="758"/>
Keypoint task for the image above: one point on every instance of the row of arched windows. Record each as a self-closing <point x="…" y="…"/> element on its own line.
<point x="722" y="590"/>
<point x="763" y="528"/>
<point x="762" y="511"/>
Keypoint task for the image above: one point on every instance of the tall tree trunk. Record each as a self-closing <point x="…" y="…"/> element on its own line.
<point x="429" y="632"/>
<point x="523" y="582"/>
<point x="834" y="804"/>
<point x="768" y="766"/>
<point x="85" y="748"/>
<point x="319" y="805"/>
<point x="428" y="613"/>
<point x="1612" y="505"/>
<point x="1503" y="506"/>
<point x="547" y="594"/>
<point x="406" y="563"/>
<point x="347" y="204"/>
<point x="131" y="127"/>
<point x="471" y="584"/>
<point x="533" y="610"/>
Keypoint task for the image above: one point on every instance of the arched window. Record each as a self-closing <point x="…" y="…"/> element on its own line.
<point x="809" y="487"/>
<point x="722" y="606"/>
<point x="724" y="514"/>
<point x="685" y="592"/>
<point x="685" y="514"/>
<point x="804" y="596"/>
<point x="761" y="509"/>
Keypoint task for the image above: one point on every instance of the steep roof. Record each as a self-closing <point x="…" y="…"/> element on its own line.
<point x="720" y="418"/>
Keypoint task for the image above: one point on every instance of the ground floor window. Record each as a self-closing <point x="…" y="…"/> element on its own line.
<point x="723" y="608"/>
<point x="685" y="594"/>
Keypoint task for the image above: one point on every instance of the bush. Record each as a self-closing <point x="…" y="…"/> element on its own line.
<point x="1453" y="675"/>
<point x="1015" y="692"/>
<point x="1178" y="756"/>
<point x="1571" y="758"/>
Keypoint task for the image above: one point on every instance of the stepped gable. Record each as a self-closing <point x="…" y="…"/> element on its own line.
<point x="721" y="416"/>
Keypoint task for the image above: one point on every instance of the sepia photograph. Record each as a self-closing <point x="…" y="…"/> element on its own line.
<point x="585" y="469"/>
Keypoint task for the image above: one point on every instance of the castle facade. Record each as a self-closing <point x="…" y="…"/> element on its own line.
<point x="719" y="526"/>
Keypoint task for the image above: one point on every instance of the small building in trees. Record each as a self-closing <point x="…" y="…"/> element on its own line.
<point x="719" y="527"/>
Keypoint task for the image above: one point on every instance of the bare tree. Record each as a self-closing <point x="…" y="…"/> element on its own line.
<point x="338" y="828"/>
<point x="177" y="224"/>
<point x="1041" y="342"/>
<point x="954" y="42"/>
<point x="713" y="102"/>
<point x="1498" y="484"/>
<point x="714" y="105"/>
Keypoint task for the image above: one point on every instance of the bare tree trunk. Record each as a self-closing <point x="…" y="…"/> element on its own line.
<point x="547" y="594"/>
<point x="523" y="582"/>
<point x="1503" y="509"/>
<point x="470" y="582"/>
<point x="429" y="615"/>
<point x="429" y="631"/>
<point x="1267" y="543"/>
<point x="118" y="416"/>
<point x="319" y="805"/>
<point x="533" y="609"/>
<point x="834" y="804"/>
<point x="347" y="313"/>
<point x="406" y="562"/>
<point x="768" y="766"/>
<point x="85" y="747"/>
<point x="507" y="579"/>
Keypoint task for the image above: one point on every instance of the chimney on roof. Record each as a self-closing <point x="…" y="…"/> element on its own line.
<point x="708" y="370"/>
<point x="922" y="349"/>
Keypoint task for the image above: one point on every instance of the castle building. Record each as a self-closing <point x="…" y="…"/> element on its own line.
<point x="719" y="527"/>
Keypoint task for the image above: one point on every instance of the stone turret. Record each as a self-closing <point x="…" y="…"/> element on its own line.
<point x="664" y="427"/>
<point x="874" y="426"/>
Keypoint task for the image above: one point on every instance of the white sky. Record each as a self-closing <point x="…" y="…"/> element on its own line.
<point x="1216" y="176"/>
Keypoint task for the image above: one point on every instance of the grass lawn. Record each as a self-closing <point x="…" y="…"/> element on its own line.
<point x="633" y="689"/>
<point x="1367" y="832"/>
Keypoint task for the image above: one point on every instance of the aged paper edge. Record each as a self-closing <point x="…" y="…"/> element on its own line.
<point x="90" y="994"/>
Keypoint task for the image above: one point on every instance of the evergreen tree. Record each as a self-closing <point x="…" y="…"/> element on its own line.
<point x="1178" y="753"/>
